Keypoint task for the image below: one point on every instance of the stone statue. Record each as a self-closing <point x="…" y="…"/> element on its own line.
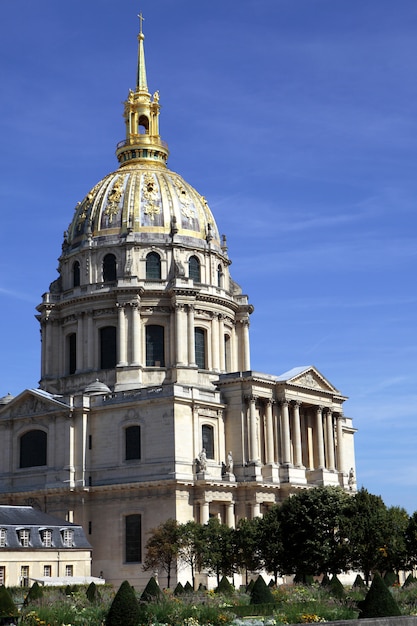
<point x="202" y="460"/>
<point x="229" y="463"/>
<point x="351" y="478"/>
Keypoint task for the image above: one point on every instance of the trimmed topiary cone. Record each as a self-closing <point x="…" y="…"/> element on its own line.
<point x="325" y="581"/>
<point x="359" y="582"/>
<point x="390" y="578"/>
<point x="92" y="593"/>
<point x="378" y="601"/>
<point x="7" y="606"/>
<point x="179" y="589"/>
<point x="35" y="592"/>
<point x="225" y="587"/>
<point x="336" y="588"/>
<point x="188" y="588"/>
<point x="124" y="610"/>
<point x="151" y="592"/>
<point x="261" y="593"/>
<point x="410" y="580"/>
<point x="250" y="586"/>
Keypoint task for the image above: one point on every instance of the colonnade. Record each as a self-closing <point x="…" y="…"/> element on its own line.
<point x="291" y="433"/>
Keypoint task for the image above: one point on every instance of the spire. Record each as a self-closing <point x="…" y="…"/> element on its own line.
<point x="141" y="84"/>
<point x="141" y="113"/>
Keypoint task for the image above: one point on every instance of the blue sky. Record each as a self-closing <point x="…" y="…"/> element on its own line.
<point x="297" y="120"/>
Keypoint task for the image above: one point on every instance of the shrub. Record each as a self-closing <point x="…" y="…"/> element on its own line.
<point x="35" y="592"/>
<point x="7" y="606"/>
<point x="359" y="582"/>
<point x="225" y="587"/>
<point x="124" y="610"/>
<point x="179" y="589"/>
<point x="261" y="593"/>
<point x="336" y="588"/>
<point x="152" y="592"/>
<point x="390" y="579"/>
<point x="92" y="593"/>
<point x="378" y="601"/>
<point x="410" y="580"/>
<point x="325" y="581"/>
<point x="188" y="588"/>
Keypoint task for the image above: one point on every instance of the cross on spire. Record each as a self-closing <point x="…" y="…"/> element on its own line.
<point x="141" y="20"/>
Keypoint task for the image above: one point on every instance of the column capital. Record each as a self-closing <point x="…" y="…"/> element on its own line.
<point x="296" y="403"/>
<point x="283" y="402"/>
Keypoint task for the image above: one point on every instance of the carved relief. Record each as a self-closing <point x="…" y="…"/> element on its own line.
<point x="308" y="380"/>
<point x="150" y="197"/>
<point x="113" y="200"/>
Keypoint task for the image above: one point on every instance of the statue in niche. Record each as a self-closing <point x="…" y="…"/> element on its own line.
<point x="229" y="463"/>
<point x="351" y="478"/>
<point x="202" y="460"/>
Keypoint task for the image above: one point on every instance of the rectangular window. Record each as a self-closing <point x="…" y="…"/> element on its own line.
<point x="24" y="537"/>
<point x="3" y="536"/>
<point x="132" y="443"/>
<point x="24" y="576"/>
<point x="47" y="571"/>
<point x="2" y="575"/>
<point x="69" y="571"/>
<point x="46" y="538"/>
<point x="68" y="537"/>
<point x="133" y="538"/>
<point x="200" y="348"/>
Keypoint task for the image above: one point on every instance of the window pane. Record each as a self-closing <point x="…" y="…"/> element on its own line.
<point x="207" y="434"/>
<point x="109" y="268"/>
<point x="133" y="539"/>
<point x="76" y="274"/>
<point x="132" y="435"/>
<point x="108" y="351"/>
<point x="33" y="448"/>
<point x="155" y="346"/>
<point x="153" y="266"/>
<point x="200" y="347"/>
<point x="72" y="352"/>
<point x="194" y="269"/>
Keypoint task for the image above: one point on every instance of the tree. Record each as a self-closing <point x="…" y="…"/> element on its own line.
<point x="270" y="542"/>
<point x="162" y="548"/>
<point x="396" y="554"/>
<point x="218" y="556"/>
<point x="247" y="545"/>
<point x="367" y="520"/>
<point x="313" y="532"/>
<point x="191" y="546"/>
<point x="411" y="540"/>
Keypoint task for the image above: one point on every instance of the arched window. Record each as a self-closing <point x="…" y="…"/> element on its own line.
<point x="109" y="268"/>
<point x="143" y="126"/>
<point x="155" y="346"/>
<point x="76" y="274"/>
<point x="153" y="266"/>
<point x="207" y="436"/>
<point x="132" y="443"/>
<point x="108" y="352"/>
<point x="72" y="353"/>
<point x="227" y="353"/>
<point x="33" y="448"/>
<point x="200" y="347"/>
<point x="219" y="276"/>
<point x="194" y="269"/>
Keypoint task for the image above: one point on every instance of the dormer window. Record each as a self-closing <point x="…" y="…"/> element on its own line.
<point x="67" y="537"/>
<point x="3" y="537"/>
<point x="24" y="537"/>
<point x="46" y="536"/>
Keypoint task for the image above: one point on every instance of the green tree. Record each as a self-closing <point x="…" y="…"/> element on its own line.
<point x="247" y="545"/>
<point x="313" y="532"/>
<point x="270" y="542"/>
<point x="396" y="539"/>
<point x="191" y="546"/>
<point x="367" y="515"/>
<point x="161" y="549"/>
<point x="218" y="556"/>
<point x="411" y="540"/>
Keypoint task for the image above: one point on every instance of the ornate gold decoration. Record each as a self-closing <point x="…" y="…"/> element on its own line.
<point x="113" y="199"/>
<point x="184" y="199"/>
<point x="150" y="196"/>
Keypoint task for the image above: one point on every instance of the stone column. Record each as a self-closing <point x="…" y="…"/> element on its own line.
<point x="222" y="347"/>
<point x="269" y="433"/>
<point x="246" y="346"/>
<point x="179" y="358"/>
<point x="90" y="341"/>
<point x="190" y="332"/>
<point x="339" y="430"/>
<point x="298" y="461"/>
<point x="215" y="342"/>
<point x="253" y="434"/>
<point x="204" y="512"/>
<point x="230" y="514"/>
<point x="256" y="510"/>
<point x="80" y="343"/>
<point x="330" y="441"/>
<point x="286" y="443"/>
<point x="319" y="437"/>
<point x="122" y="344"/>
<point x="136" y="334"/>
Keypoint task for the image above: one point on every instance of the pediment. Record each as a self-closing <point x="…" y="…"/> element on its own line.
<point x="32" y="403"/>
<point x="310" y="378"/>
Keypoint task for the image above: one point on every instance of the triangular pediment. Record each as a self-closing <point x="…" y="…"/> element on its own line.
<point x="309" y="378"/>
<point x="31" y="403"/>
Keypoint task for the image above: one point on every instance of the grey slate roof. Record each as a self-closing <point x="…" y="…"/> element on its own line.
<point x="13" y="518"/>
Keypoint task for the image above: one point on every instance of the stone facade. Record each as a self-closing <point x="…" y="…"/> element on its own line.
<point x="147" y="407"/>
